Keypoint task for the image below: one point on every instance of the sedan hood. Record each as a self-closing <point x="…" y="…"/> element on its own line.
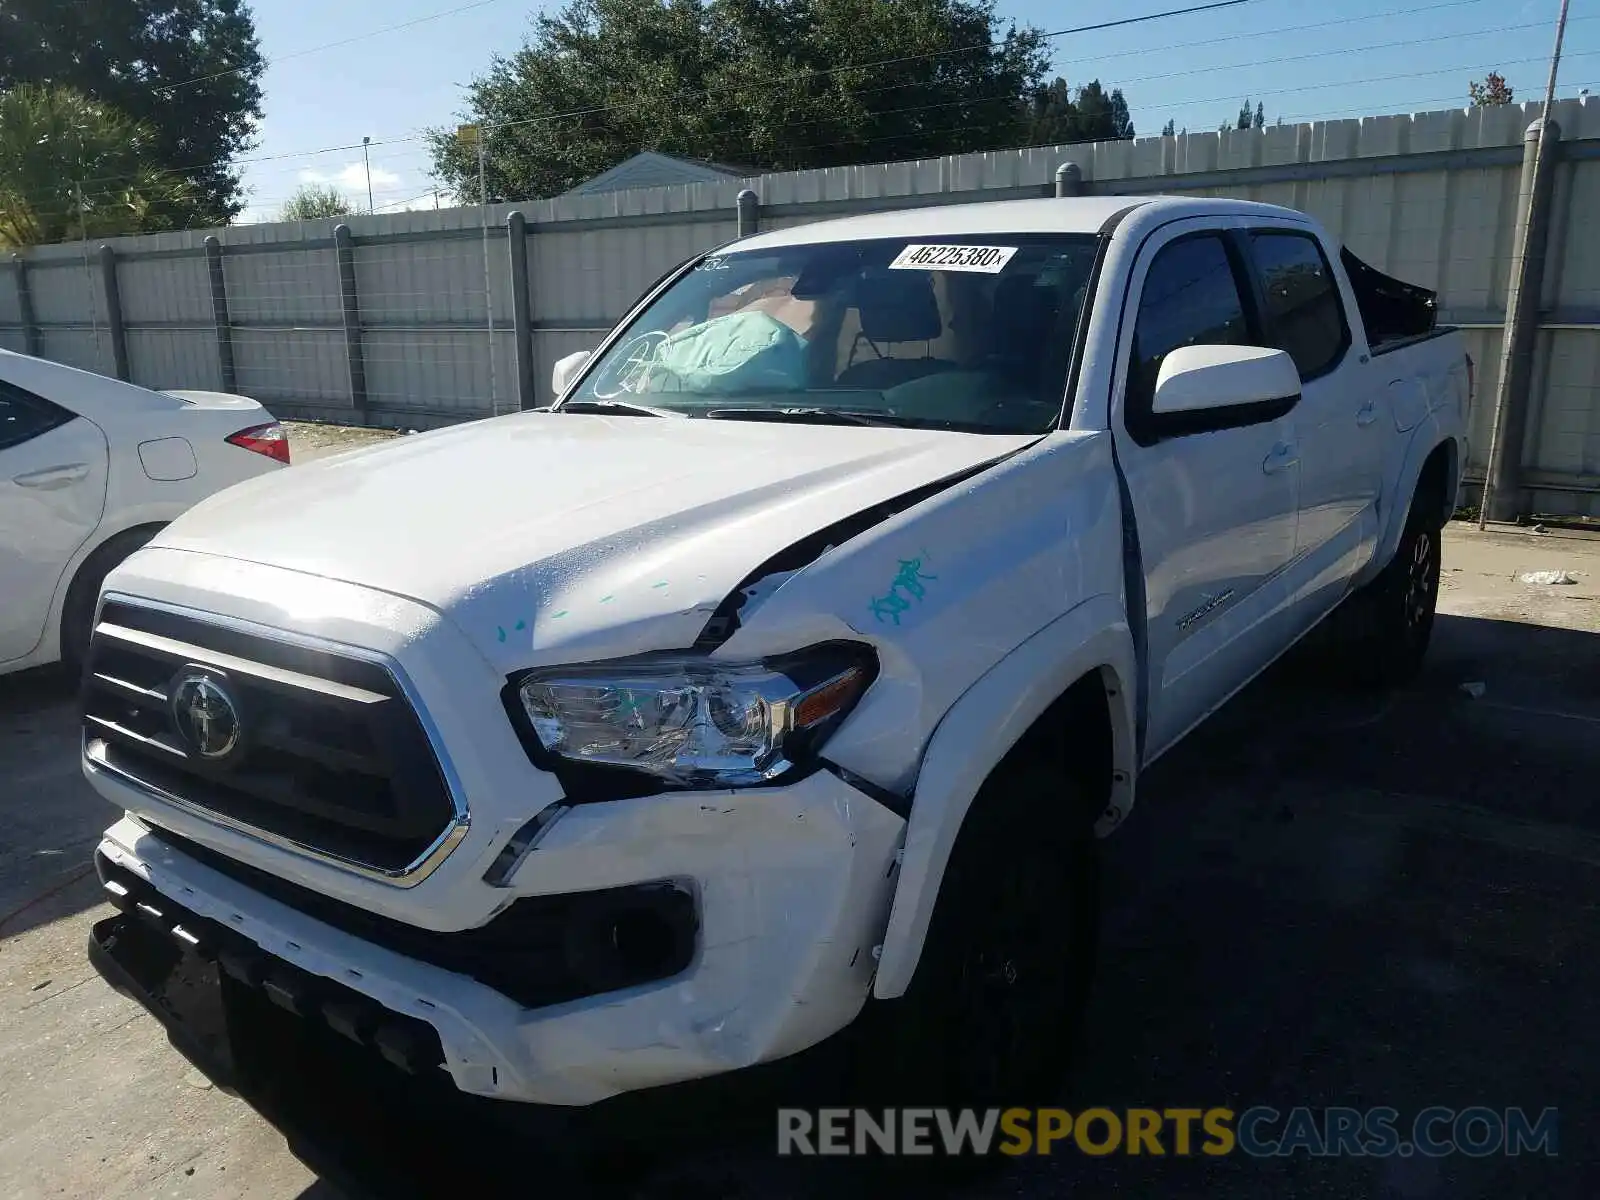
<point x="549" y="536"/>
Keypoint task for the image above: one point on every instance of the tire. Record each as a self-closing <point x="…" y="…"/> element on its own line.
<point x="77" y="613"/>
<point x="1391" y="619"/>
<point x="994" y="1009"/>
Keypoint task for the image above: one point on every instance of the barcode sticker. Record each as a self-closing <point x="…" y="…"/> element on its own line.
<point x="990" y="260"/>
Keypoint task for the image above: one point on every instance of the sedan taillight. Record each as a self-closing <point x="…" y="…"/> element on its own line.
<point x="269" y="439"/>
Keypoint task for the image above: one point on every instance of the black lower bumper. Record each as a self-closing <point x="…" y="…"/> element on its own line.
<point x="349" y="1115"/>
<point x="375" y="1114"/>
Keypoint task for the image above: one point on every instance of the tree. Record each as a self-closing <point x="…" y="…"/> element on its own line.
<point x="1248" y="118"/>
<point x="1055" y="115"/>
<point x="1170" y="129"/>
<point x="313" y="201"/>
<point x="765" y="84"/>
<point x="1493" y="90"/>
<point x="187" y="70"/>
<point x="50" y="138"/>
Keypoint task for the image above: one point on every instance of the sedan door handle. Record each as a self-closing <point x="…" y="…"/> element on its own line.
<point x="1283" y="457"/>
<point x="1367" y="413"/>
<point x="52" y="478"/>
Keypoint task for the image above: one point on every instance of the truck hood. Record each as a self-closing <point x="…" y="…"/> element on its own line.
<point x="551" y="537"/>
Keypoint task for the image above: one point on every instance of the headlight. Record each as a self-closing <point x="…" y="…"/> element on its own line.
<point x="694" y="723"/>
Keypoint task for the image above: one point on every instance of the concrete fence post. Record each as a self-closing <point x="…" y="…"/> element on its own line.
<point x="1520" y="334"/>
<point x="113" y="299"/>
<point x="1069" y="180"/>
<point x="30" y="328"/>
<point x="219" y="314"/>
<point x="344" y="249"/>
<point x="749" y="205"/>
<point x="521" y="309"/>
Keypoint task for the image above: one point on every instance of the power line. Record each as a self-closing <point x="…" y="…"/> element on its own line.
<point x="922" y="83"/>
<point x="820" y="72"/>
<point x="360" y="37"/>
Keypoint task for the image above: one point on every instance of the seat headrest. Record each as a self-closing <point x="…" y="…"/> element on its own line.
<point x="898" y="306"/>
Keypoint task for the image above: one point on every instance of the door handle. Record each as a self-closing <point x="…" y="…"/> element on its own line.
<point x="51" y="478"/>
<point x="1283" y="457"/>
<point x="1367" y="413"/>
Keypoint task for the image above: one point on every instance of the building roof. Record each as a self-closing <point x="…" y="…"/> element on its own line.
<point x="650" y="169"/>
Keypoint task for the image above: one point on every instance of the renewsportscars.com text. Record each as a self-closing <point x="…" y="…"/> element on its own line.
<point x="1260" y="1131"/>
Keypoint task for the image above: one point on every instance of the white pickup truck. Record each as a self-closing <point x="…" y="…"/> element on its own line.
<point x="778" y="678"/>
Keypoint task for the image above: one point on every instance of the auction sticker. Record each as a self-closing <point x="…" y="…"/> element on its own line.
<point x="990" y="260"/>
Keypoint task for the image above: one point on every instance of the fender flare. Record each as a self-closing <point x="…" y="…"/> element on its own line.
<point x="1092" y="638"/>
<point x="1427" y="437"/>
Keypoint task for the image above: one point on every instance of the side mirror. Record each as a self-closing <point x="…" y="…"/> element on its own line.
<point x="566" y="370"/>
<point x="1196" y="378"/>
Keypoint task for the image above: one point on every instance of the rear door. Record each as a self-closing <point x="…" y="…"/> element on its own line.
<point x="1215" y="507"/>
<point x="52" y="492"/>
<point x="1340" y="436"/>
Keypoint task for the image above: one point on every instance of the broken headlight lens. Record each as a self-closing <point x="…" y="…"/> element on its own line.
<point x="692" y="722"/>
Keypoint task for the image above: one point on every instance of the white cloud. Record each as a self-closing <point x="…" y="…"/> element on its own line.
<point x="353" y="176"/>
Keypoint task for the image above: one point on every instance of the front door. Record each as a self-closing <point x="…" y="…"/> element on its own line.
<point x="1216" y="509"/>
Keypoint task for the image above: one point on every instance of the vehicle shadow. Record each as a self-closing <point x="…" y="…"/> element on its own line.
<point x="50" y="819"/>
<point x="1324" y="897"/>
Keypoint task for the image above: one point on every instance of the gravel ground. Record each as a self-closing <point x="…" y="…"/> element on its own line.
<point x="1322" y="898"/>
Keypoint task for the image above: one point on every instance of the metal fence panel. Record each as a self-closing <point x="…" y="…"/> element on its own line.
<point x="174" y="358"/>
<point x="1431" y="197"/>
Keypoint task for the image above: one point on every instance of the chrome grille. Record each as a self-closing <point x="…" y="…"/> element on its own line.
<point x="330" y="755"/>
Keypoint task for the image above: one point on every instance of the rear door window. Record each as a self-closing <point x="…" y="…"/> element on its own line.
<point x="1301" y="307"/>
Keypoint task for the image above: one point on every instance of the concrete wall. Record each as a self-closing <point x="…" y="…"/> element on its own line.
<point x="1429" y="197"/>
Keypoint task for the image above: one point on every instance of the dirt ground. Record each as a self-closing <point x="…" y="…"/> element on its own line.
<point x="309" y="440"/>
<point x="1322" y="898"/>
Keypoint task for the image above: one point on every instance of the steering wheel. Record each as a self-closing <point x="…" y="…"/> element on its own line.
<point x="628" y="370"/>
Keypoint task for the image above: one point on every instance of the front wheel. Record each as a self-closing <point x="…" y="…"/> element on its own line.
<point x="993" y="1011"/>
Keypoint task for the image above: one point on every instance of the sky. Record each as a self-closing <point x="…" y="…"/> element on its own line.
<point x="1302" y="60"/>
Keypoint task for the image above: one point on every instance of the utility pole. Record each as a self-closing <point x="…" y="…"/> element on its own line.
<point x="478" y="136"/>
<point x="367" y="160"/>
<point x="1497" y="473"/>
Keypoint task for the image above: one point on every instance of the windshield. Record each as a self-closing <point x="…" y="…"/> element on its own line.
<point x="973" y="334"/>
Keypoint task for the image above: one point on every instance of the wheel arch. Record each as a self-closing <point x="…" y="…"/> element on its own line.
<point x="1431" y="474"/>
<point x="87" y="558"/>
<point x="1068" y="691"/>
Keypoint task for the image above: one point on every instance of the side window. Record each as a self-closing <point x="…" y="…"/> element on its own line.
<point x="1303" y="315"/>
<point x="1191" y="297"/>
<point x="24" y="416"/>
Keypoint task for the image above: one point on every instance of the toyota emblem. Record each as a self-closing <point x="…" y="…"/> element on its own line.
<point x="204" y="714"/>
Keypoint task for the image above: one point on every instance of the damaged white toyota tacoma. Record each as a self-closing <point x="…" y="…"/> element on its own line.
<point x="775" y="682"/>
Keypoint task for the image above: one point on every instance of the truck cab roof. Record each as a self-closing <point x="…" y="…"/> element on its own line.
<point x="1076" y="214"/>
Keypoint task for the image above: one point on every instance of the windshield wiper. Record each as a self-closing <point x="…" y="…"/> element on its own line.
<point x="622" y="408"/>
<point x="812" y="416"/>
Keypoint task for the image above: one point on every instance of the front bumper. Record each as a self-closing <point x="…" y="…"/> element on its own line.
<point x="792" y="884"/>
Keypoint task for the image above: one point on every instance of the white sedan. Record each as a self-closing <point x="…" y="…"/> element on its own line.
<point x="90" y="469"/>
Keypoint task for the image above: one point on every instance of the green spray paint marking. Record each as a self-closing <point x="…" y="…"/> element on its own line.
<point x="907" y="586"/>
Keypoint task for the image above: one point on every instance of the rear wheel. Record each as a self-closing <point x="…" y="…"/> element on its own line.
<point x="1391" y="620"/>
<point x="992" y="1014"/>
<point x="77" y="614"/>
